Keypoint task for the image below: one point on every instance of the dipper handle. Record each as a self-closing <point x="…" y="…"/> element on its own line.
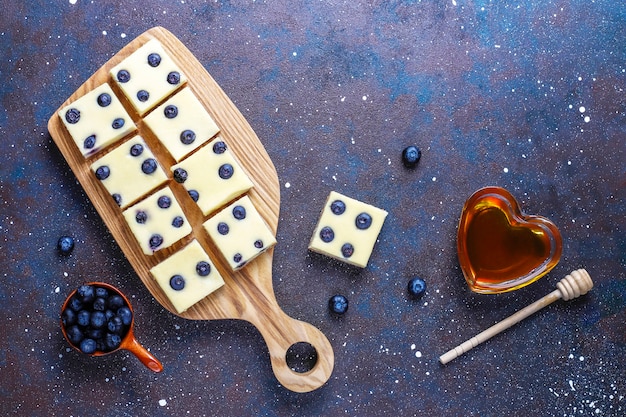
<point x="572" y="286"/>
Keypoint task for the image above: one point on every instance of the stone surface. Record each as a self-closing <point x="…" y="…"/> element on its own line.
<point x="528" y="96"/>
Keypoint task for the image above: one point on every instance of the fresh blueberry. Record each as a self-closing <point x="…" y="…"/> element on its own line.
<point x="97" y="319"/>
<point x="327" y="234"/>
<point x="222" y="228"/>
<point x="136" y="149"/>
<point x="100" y="304"/>
<point x="104" y="100"/>
<point x="141" y="217"/>
<point x="226" y="171"/>
<point x="112" y="341"/>
<point x="123" y="76"/>
<point x="65" y="245"/>
<point x="170" y="111"/>
<point x="178" y="221"/>
<point x="108" y="314"/>
<point x="103" y="172"/>
<point x="416" y="287"/>
<point x="126" y="315"/>
<point x="194" y="195"/>
<point x="154" y="59"/>
<point x="180" y="175"/>
<point x="237" y="258"/>
<point x="164" y="202"/>
<point x="117" y="123"/>
<point x="219" y="147"/>
<point x="187" y="137"/>
<point x="347" y="250"/>
<point x="115" y="302"/>
<point x="102" y="292"/>
<point x="94" y="334"/>
<point x="239" y="212"/>
<point x="118" y="199"/>
<point x="86" y="293"/>
<point x="338" y="304"/>
<point x="89" y="142"/>
<point x="156" y="240"/>
<point x="258" y="243"/>
<point x="143" y="96"/>
<point x="83" y="317"/>
<point x="115" y="325"/>
<point x="338" y="207"/>
<point x="76" y="304"/>
<point x="88" y="346"/>
<point x="74" y="334"/>
<point x="411" y="156"/>
<point x="363" y="221"/>
<point x="68" y="317"/>
<point x="149" y="166"/>
<point x="72" y="116"/>
<point x="203" y="268"/>
<point x="177" y="282"/>
<point x="173" y="78"/>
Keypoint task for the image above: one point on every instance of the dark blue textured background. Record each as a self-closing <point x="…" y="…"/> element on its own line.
<point x="491" y="93"/>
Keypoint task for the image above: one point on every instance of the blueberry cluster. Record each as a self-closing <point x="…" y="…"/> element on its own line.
<point x="96" y="319"/>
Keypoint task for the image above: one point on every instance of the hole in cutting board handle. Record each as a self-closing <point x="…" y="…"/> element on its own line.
<point x="301" y="357"/>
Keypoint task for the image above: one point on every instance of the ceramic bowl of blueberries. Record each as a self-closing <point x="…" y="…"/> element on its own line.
<point x="97" y="319"/>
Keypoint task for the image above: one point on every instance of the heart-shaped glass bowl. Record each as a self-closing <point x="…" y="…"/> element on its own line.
<point x="501" y="249"/>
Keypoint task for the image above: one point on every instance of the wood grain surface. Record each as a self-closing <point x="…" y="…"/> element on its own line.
<point x="248" y="293"/>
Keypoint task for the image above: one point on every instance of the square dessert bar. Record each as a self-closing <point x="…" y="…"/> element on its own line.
<point x="147" y="76"/>
<point x="96" y="120"/>
<point x="212" y="176"/>
<point x="157" y="222"/>
<point x="240" y="233"/>
<point x="181" y="123"/>
<point x="129" y="171"/>
<point x="187" y="276"/>
<point x="347" y="229"/>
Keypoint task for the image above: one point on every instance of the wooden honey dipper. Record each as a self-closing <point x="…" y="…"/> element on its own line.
<point x="572" y="286"/>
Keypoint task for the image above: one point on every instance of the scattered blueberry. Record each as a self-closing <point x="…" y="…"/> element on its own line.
<point x="177" y="282"/>
<point x="239" y="212"/>
<point x="170" y="111"/>
<point x="219" y="147"/>
<point x="103" y="172"/>
<point x="149" y="166"/>
<point x="72" y="116"/>
<point x="222" y="228"/>
<point x="338" y="207"/>
<point x="363" y="221"/>
<point x="74" y="334"/>
<point x="156" y="240"/>
<point x="88" y="346"/>
<point x="180" y="175"/>
<point x="112" y="341"/>
<point x="100" y="304"/>
<point x="203" y="268"/>
<point x="89" y="142"/>
<point x="416" y="287"/>
<point x="104" y="100"/>
<point x="411" y="156"/>
<point x="347" y="250"/>
<point x="83" y="318"/>
<point x="86" y="293"/>
<point x="327" y="234"/>
<point x="154" y="59"/>
<point x="143" y="96"/>
<point x="101" y="292"/>
<point x="68" y="317"/>
<point x="97" y="319"/>
<point x="123" y="76"/>
<point x="178" y="222"/>
<point x="338" y="304"/>
<point x="141" y="217"/>
<point x="117" y="123"/>
<point x="115" y="325"/>
<point x="126" y="315"/>
<point x="65" y="245"/>
<point x="173" y="78"/>
<point x="136" y="149"/>
<point x="226" y="171"/>
<point x="187" y="137"/>
<point x="115" y="302"/>
<point x="194" y="195"/>
<point x="164" y="202"/>
<point x="76" y="304"/>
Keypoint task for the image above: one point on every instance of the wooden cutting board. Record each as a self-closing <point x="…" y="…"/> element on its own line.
<point x="248" y="293"/>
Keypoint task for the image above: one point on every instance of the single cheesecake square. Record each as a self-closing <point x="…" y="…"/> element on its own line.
<point x="129" y="171"/>
<point x="347" y="229"/>
<point x="147" y="76"/>
<point x="187" y="276"/>
<point x="212" y="176"/>
<point x="157" y="221"/>
<point x="96" y="120"/>
<point x="240" y="233"/>
<point x="182" y="124"/>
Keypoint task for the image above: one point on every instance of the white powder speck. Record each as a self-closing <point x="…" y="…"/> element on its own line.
<point x="454" y="2"/>
<point x="162" y="403"/>
<point x="364" y="98"/>
<point x="418" y="354"/>
<point x="123" y="35"/>
<point x="569" y="162"/>
<point x="73" y="1"/>
<point x="434" y="178"/>
<point x="294" y="53"/>
<point x="413" y="346"/>
<point x="57" y="290"/>
<point x="582" y="109"/>
<point x="587" y="119"/>
<point x="582" y="358"/>
<point x="571" y="384"/>
<point x="287" y="185"/>
<point x="505" y="170"/>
